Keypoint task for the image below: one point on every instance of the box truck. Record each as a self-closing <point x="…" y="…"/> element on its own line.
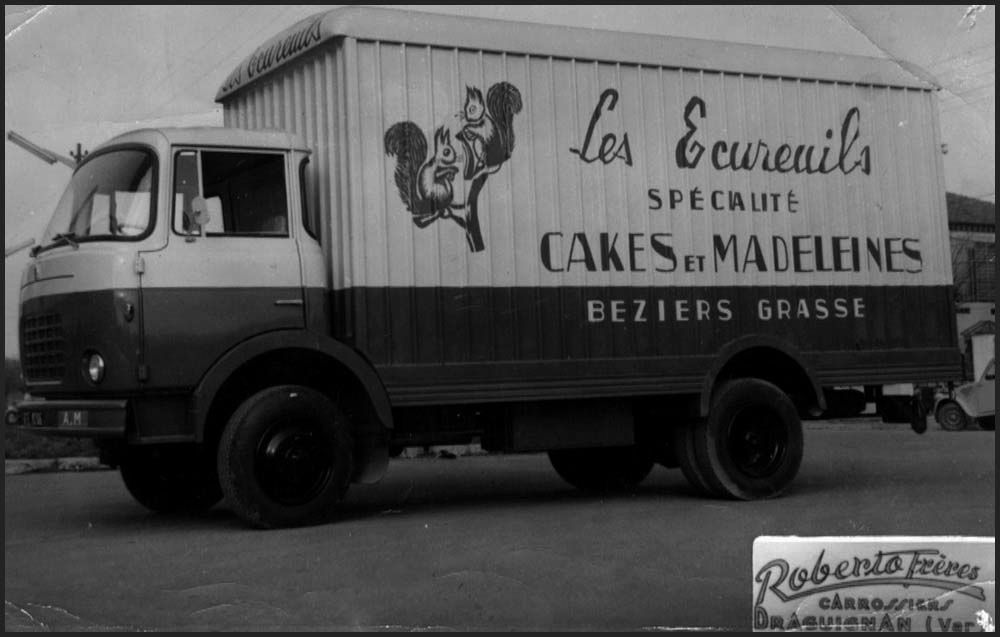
<point x="414" y="229"/>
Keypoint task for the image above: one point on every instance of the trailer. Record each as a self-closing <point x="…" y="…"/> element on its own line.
<point x="415" y="229"/>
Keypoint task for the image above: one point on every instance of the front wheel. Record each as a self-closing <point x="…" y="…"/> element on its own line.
<point x="285" y="457"/>
<point x="171" y="479"/>
<point x="750" y="446"/>
<point x="603" y="468"/>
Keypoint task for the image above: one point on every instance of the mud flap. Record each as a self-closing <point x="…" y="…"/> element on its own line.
<point x="371" y="455"/>
<point x="918" y="414"/>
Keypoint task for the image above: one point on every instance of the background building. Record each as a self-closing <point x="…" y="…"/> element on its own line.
<point x="972" y="223"/>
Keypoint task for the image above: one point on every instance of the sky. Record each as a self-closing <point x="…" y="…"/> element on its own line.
<point x="81" y="74"/>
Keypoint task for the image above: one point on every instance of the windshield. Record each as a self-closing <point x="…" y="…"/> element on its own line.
<point x="108" y="198"/>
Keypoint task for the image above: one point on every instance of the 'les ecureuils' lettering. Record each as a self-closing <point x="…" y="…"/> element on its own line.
<point x="264" y="59"/>
<point x="610" y="149"/>
<point x="738" y="155"/>
<point x="785" y="158"/>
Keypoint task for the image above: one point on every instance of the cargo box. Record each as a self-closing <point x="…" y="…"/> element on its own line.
<point x="531" y="211"/>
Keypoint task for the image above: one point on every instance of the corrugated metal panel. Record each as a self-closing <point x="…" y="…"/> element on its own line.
<point x="544" y="188"/>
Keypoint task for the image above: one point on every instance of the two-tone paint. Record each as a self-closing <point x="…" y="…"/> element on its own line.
<point x="529" y="213"/>
<point x="168" y="313"/>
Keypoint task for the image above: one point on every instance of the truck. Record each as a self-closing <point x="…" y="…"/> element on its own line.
<point x="621" y="250"/>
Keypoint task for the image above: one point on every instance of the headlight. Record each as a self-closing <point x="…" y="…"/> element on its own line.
<point x="95" y="368"/>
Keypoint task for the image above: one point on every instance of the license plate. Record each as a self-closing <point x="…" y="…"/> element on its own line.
<point x="32" y="419"/>
<point x="71" y="419"/>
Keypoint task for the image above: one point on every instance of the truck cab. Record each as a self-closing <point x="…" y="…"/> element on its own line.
<point x="162" y="237"/>
<point x="174" y="260"/>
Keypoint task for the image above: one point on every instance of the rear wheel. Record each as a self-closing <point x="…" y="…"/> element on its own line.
<point x="750" y="446"/>
<point x="951" y="417"/>
<point x="171" y="479"/>
<point x="602" y="468"/>
<point x="683" y="443"/>
<point x="285" y="457"/>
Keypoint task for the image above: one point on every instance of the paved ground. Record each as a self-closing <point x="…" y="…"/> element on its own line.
<point x="481" y="542"/>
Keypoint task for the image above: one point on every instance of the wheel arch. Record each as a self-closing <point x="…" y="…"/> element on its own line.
<point x="299" y="357"/>
<point x="952" y="400"/>
<point x="767" y="358"/>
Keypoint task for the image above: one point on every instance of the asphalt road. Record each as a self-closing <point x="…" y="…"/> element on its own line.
<point x="486" y="542"/>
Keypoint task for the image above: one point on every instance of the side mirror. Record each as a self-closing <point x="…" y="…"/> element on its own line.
<point x="199" y="212"/>
<point x="213" y="208"/>
<point x="203" y="211"/>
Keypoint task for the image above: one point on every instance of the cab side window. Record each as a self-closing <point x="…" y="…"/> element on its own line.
<point x="245" y="192"/>
<point x="310" y="207"/>
<point x="186" y="188"/>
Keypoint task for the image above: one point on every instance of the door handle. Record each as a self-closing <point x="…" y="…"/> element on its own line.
<point x="282" y="302"/>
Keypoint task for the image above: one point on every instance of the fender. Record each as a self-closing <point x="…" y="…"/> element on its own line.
<point x="232" y="360"/>
<point x="962" y="403"/>
<point x="733" y="348"/>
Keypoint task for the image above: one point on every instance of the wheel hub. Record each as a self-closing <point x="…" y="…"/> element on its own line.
<point x="757" y="442"/>
<point x="293" y="463"/>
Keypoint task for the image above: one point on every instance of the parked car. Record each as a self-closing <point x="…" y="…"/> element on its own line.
<point x="975" y="401"/>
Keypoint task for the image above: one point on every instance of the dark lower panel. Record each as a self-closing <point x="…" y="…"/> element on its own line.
<point x="467" y="345"/>
<point x="62" y="330"/>
<point x="472" y="344"/>
<point x="403" y="326"/>
<point x="188" y="329"/>
<point x="155" y="339"/>
<point x="545" y="380"/>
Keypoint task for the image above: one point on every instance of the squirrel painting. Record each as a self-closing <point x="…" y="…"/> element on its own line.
<point x="425" y="184"/>
<point x="478" y="125"/>
<point x="488" y="130"/>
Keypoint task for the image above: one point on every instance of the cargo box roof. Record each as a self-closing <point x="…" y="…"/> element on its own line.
<point x="211" y="136"/>
<point x="521" y="38"/>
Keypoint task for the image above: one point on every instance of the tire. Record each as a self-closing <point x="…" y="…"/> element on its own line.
<point x="750" y="447"/>
<point x="285" y="457"/>
<point x="602" y="468"/>
<point x="683" y="443"/>
<point x="171" y="479"/>
<point x="951" y="417"/>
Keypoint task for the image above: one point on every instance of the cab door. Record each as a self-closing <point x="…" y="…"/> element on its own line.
<point x="230" y="269"/>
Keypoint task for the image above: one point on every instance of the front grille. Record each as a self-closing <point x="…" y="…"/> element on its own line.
<point x="43" y="348"/>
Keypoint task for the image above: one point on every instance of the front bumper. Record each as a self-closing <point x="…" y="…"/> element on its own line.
<point x="70" y="418"/>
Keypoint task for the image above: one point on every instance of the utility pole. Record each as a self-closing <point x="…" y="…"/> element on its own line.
<point x="79" y="154"/>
